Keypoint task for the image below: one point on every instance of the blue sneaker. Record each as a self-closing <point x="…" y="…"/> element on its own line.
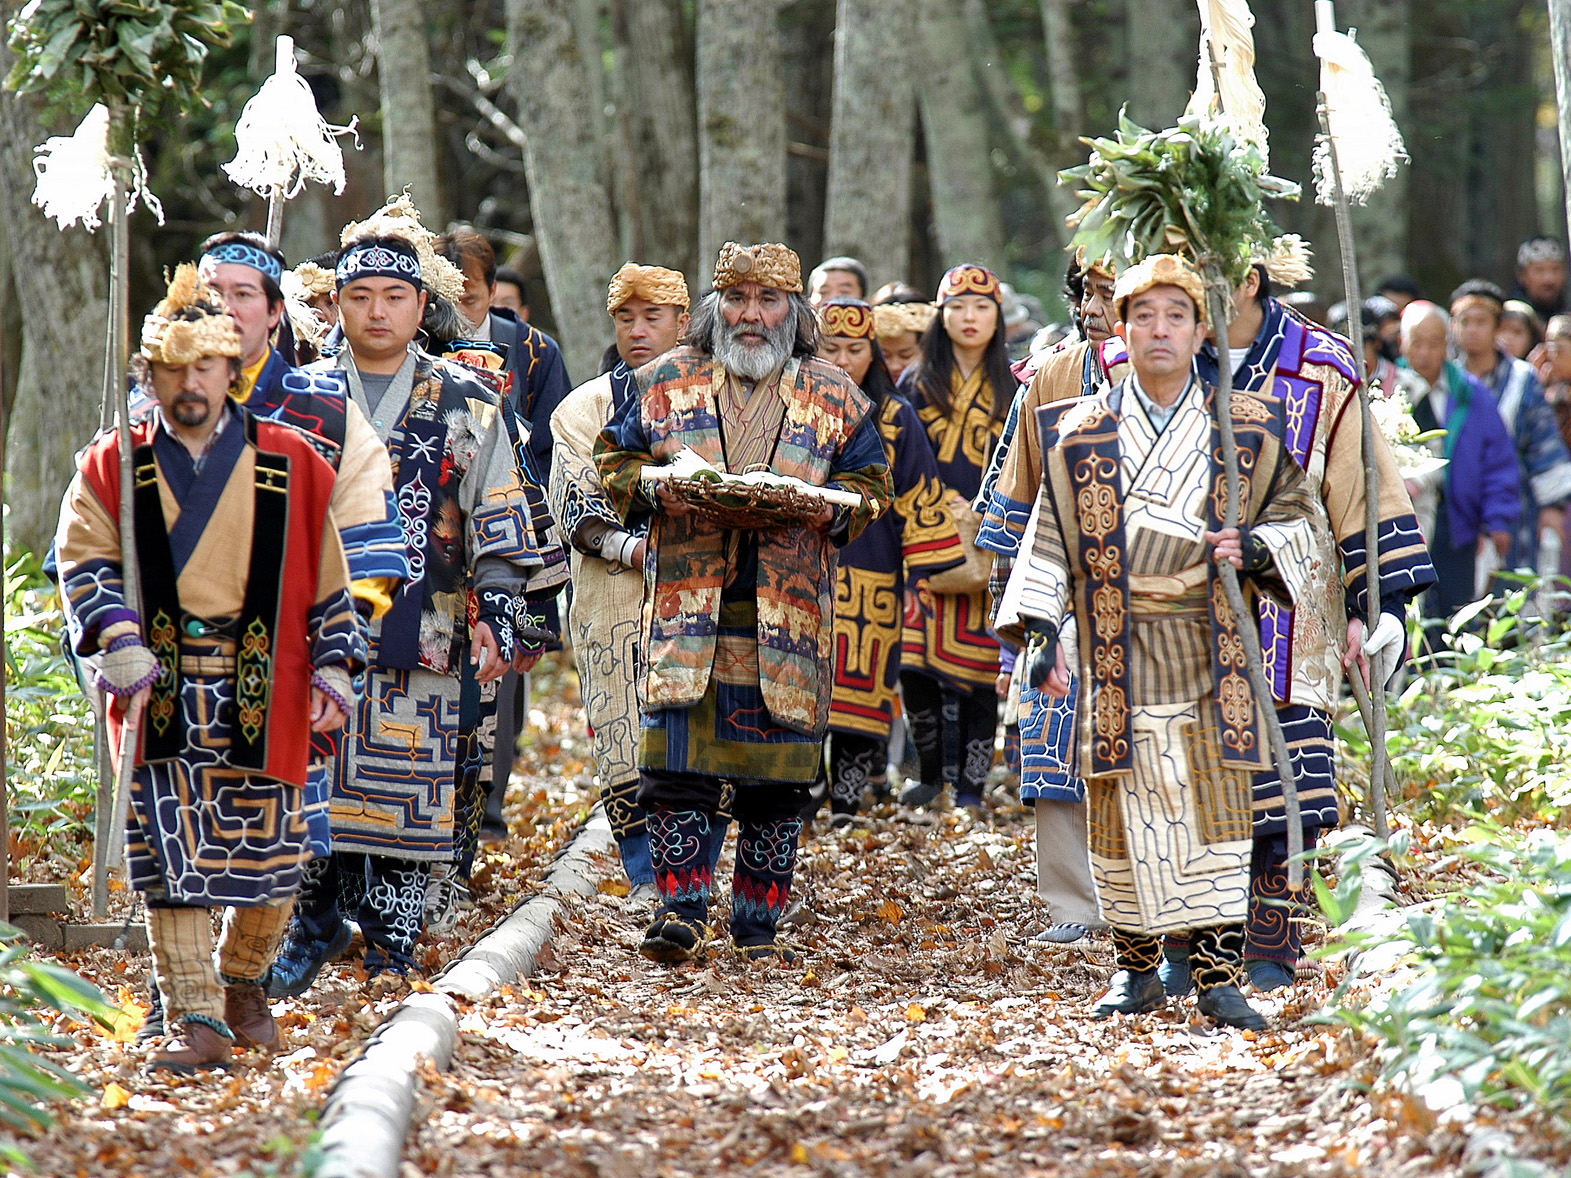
<point x="301" y="957"/>
<point x="1176" y="979"/>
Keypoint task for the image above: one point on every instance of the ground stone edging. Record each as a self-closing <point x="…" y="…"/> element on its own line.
<point x="366" y="1118"/>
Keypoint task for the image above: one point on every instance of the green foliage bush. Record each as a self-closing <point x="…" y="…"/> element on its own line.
<point x="48" y="723"/>
<point x="29" y="989"/>
<point x="1481" y="1006"/>
<point x="1484" y="1011"/>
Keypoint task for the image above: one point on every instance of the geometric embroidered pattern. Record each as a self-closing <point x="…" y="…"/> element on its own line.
<point x="254" y="664"/>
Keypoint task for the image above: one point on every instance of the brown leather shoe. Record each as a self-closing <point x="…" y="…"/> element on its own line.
<point x="247" y="1013"/>
<point x="195" y="1045"/>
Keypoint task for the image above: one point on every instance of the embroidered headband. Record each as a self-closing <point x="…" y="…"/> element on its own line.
<point x="376" y="259"/>
<point x="1103" y="265"/>
<point x="399" y="218"/>
<point x="242" y="254"/>
<point x="892" y="319"/>
<point x="847" y="319"/>
<point x="969" y="280"/>
<point x="191" y="322"/>
<point x="655" y="284"/>
<point x="1539" y="249"/>
<point x="769" y="264"/>
<point x="1160" y="270"/>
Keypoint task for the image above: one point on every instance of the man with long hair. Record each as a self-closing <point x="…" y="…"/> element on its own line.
<point x="737" y="672"/>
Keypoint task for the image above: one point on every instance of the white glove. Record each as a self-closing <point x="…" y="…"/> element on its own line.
<point x="1383" y="649"/>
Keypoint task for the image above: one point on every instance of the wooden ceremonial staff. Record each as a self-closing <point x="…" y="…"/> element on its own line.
<point x="109" y="832"/>
<point x="1219" y="293"/>
<point x="1371" y="700"/>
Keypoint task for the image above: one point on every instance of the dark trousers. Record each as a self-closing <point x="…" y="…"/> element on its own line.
<point x="953" y="732"/>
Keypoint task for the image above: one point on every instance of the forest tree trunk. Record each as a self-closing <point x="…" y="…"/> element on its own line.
<point x="1164" y="52"/>
<point x="654" y="62"/>
<point x="409" y="154"/>
<point x="741" y="125"/>
<point x="572" y="212"/>
<point x="61" y="282"/>
<point x="871" y="139"/>
<point x="1063" y="75"/>
<point x="966" y="215"/>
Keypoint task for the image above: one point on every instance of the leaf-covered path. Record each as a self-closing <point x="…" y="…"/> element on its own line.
<point x="922" y="1034"/>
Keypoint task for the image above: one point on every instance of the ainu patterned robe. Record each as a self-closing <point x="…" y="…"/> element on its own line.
<point x="1169" y="730"/>
<point x="1306" y="375"/>
<point x="467" y="526"/>
<point x="608" y="598"/>
<point x="245" y="594"/>
<point x="1005" y="501"/>
<point x="737" y="677"/>
<point x="947" y="635"/>
<point x="914" y="539"/>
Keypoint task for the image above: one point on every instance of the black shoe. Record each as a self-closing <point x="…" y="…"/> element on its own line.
<point x="920" y="795"/>
<point x="765" y="952"/>
<point x="1131" y="991"/>
<point x="301" y="958"/>
<point x="1226" y="1005"/>
<point x="153" y="1025"/>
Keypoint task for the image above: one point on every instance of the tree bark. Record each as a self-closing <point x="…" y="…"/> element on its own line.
<point x="61" y="282"/>
<point x="1063" y="75"/>
<point x="572" y="211"/>
<point x="654" y="62"/>
<point x="966" y="215"/>
<point x="409" y="144"/>
<point x="1560" y="49"/>
<point x="1164" y="52"/>
<point x="871" y="147"/>
<point x="741" y="125"/>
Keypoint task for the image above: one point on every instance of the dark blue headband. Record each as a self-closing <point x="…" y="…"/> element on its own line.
<point x="376" y="259"/>
<point x="242" y="254"/>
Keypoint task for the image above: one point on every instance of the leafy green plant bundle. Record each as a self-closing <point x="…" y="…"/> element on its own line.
<point x="119" y="52"/>
<point x="1193" y="189"/>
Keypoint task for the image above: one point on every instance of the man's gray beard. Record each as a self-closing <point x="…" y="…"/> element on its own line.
<point x="756" y="361"/>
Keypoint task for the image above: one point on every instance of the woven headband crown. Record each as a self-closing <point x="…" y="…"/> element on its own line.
<point x="769" y="264"/>
<point x="654" y="284"/>
<point x="190" y="323"/>
<point x="1160" y="270"/>
<point x="847" y="319"/>
<point x="892" y="319"/>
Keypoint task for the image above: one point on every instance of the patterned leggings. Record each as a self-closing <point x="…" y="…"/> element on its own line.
<point x="953" y="732"/>
<point x="855" y="761"/>
<point x="1216" y="954"/>
<point x="385" y="896"/>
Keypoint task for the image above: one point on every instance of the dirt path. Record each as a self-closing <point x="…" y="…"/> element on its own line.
<point x="922" y="1035"/>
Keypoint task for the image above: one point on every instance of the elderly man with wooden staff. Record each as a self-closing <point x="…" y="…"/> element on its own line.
<point x="1122" y="564"/>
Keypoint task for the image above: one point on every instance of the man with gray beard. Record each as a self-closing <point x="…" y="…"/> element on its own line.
<point x="738" y="624"/>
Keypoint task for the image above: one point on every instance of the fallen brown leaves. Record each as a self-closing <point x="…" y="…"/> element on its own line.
<point x="260" y="1118"/>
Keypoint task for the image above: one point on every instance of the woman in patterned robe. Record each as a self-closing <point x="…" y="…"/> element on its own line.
<point x="915" y="538"/>
<point x="961" y="389"/>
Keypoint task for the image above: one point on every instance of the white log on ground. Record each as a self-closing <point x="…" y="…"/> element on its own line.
<point x="871" y="141"/>
<point x="572" y="210"/>
<point x="741" y="126"/>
